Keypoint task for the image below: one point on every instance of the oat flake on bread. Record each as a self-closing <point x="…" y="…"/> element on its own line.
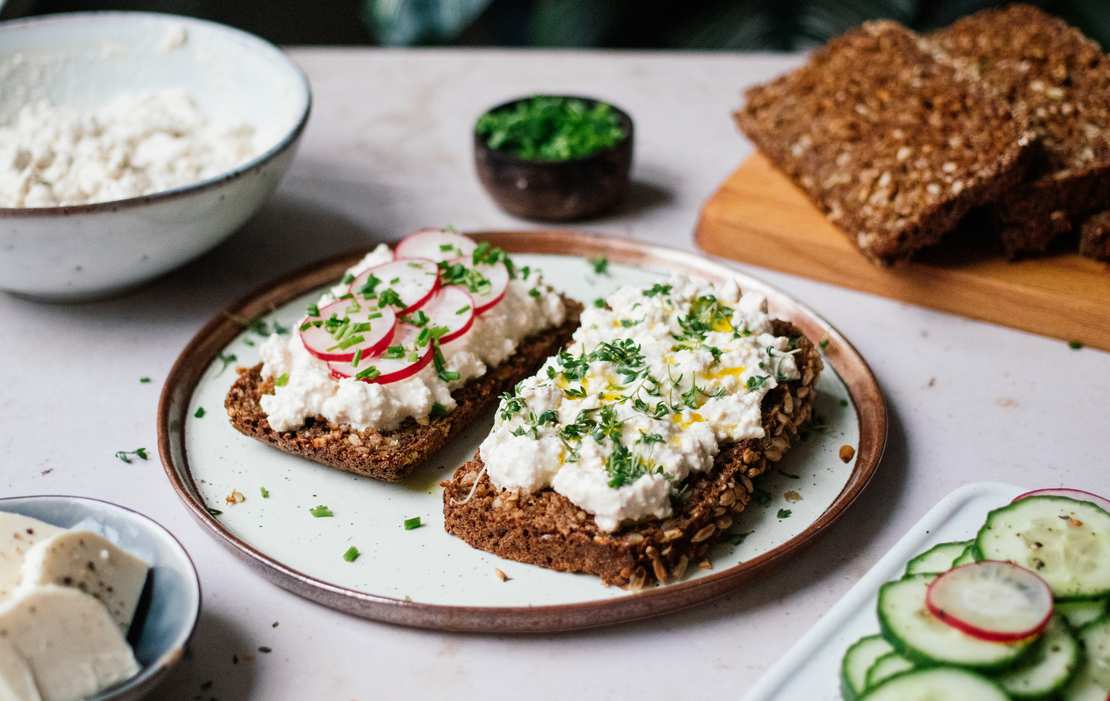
<point x="135" y="144"/>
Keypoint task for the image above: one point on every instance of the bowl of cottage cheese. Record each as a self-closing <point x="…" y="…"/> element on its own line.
<point x="132" y="142"/>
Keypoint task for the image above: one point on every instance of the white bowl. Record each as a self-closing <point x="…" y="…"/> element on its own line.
<point x="83" y="60"/>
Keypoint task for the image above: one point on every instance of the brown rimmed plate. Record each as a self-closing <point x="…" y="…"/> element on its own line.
<point x="426" y="578"/>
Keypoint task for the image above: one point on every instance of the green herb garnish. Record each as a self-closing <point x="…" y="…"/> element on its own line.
<point x="199" y="413"/>
<point x="127" y="455"/>
<point x="551" y="128"/>
<point x="412" y="523"/>
<point x="599" y="303"/>
<point x="351" y="554"/>
<point x="657" y="289"/>
<point x="321" y="511"/>
<point x="1075" y="345"/>
<point x="784" y="513"/>
<point x="264" y="492"/>
<point x="600" y="265"/>
<point x="824" y="343"/>
<point x="226" y="360"/>
<point x="281" y="380"/>
<point x="144" y="380"/>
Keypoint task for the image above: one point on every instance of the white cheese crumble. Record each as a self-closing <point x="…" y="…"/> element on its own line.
<point x="135" y="144"/>
<point x="649" y="389"/>
<point x="311" y="390"/>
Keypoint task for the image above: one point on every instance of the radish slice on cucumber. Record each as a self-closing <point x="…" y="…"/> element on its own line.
<point x="403" y="285"/>
<point x="450" y="313"/>
<point x="346" y="327"/>
<point x="402" y="359"/>
<point x="924" y="639"/>
<point x="995" y="601"/>
<point x="1066" y="542"/>
<point x="435" y="244"/>
<point x="1077" y="494"/>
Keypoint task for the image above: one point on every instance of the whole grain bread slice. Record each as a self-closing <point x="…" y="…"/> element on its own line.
<point x="547" y="529"/>
<point x="893" y="141"/>
<point x="392" y="455"/>
<point x="1094" y="236"/>
<point x="1059" y="80"/>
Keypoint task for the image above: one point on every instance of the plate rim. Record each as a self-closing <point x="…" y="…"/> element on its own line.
<point x="182" y="379"/>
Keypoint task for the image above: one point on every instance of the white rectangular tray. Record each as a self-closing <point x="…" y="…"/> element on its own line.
<point x="811" y="669"/>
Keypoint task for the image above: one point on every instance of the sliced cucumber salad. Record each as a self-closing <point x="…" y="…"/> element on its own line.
<point x="1022" y="611"/>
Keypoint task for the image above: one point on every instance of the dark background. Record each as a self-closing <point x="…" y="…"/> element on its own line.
<point x="769" y="25"/>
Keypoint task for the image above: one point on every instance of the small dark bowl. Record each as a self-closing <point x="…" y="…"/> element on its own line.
<point x="557" y="190"/>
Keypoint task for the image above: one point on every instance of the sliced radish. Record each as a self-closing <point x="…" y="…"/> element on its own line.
<point x="402" y="359"/>
<point x="1077" y="494"/>
<point x="346" y="327"/>
<point x="453" y="309"/>
<point x="487" y="283"/>
<point x="435" y="244"/>
<point x="406" y="285"/>
<point x="991" y="600"/>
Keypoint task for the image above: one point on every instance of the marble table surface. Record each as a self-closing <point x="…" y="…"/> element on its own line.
<point x="387" y="150"/>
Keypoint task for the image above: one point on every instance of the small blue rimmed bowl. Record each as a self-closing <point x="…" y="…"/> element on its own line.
<point x="161" y="633"/>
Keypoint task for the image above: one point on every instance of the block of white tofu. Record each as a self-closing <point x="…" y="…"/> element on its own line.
<point x="17" y="534"/>
<point x="73" y="646"/>
<point x="16" y="681"/>
<point x="92" y="564"/>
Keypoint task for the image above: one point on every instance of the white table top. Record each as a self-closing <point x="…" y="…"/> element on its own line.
<point x="387" y="150"/>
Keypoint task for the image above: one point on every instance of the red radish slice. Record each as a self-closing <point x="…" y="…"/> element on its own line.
<point x="385" y="368"/>
<point x="346" y="327"/>
<point x="412" y="281"/>
<point x="991" y="600"/>
<point x="1077" y="494"/>
<point x="492" y="290"/>
<point x="453" y="309"/>
<point x="435" y="244"/>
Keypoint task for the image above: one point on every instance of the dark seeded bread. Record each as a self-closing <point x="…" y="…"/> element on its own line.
<point x="889" y="138"/>
<point x="1060" y="80"/>
<point x="391" y="455"/>
<point x="1094" y="236"/>
<point x="546" y="529"/>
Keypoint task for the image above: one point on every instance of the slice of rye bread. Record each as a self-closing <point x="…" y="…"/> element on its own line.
<point x="888" y="137"/>
<point x="547" y="529"/>
<point x="392" y="455"/>
<point x="1059" y="80"/>
<point x="1094" y="236"/>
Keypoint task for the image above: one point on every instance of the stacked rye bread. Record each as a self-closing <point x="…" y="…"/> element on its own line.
<point x="897" y="137"/>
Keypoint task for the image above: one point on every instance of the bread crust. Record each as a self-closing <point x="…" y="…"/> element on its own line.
<point x="1059" y="80"/>
<point x="1094" y="236"/>
<point x="391" y="455"/>
<point x="891" y="139"/>
<point x="547" y="529"/>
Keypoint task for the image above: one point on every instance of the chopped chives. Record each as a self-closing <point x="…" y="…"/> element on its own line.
<point x="367" y="373"/>
<point x="351" y="554"/>
<point x="199" y="413"/>
<point x="412" y="523"/>
<point x="281" y="380"/>
<point x="321" y="511"/>
<point x="144" y="380"/>
<point x="264" y="492"/>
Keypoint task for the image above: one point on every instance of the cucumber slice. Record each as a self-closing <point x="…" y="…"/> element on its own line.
<point x="967" y="557"/>
<point x="937" y="559"/>
<point x="1080" y="613"/>
<point x="859" y="658"/>
<point x="1067" y="542"/>
<point x="886" y="667"/>
<point x="1093" y="681"/>
<point x="907" y="625"/>
<point x="1053" y="661"/>
<point x="937" y="684"/>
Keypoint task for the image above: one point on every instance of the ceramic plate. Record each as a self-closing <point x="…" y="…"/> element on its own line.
<point x="811" y="669"/>
<point x="424" y="577"/>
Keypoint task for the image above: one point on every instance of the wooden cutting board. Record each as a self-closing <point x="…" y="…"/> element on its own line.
<point x="758" y="216"/>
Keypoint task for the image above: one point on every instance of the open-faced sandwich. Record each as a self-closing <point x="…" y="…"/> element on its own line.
<point x="410" y="347"/>
<point x="628" y="454"/>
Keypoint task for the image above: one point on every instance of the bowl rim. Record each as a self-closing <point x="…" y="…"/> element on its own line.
<point x="177" y="648"/>
<point x="250" y="41"/>
<point x="506" y="157"/>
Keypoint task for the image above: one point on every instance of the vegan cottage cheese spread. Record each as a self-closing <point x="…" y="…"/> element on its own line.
<point x="135" y="144"/>
<point x="309" y="389"/>
<point x="651" y="386"/>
